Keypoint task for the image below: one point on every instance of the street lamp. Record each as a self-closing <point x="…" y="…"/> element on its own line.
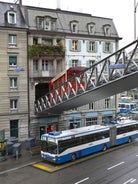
<point x="135" y="11"/>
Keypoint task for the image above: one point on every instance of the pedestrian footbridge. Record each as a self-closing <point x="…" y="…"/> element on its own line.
<point x="112" y="75"/>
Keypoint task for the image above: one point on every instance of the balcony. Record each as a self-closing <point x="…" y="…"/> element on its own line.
<point x="44" y="51"/>
<point x="44" y="74"/>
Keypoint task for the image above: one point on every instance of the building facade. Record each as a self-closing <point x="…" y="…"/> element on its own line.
<point x="44" y="42"/>
<point x="85" y="40"/>
<point x="13" y="72"/>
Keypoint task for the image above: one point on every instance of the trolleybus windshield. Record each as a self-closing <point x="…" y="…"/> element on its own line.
<point x="49" y="145"/>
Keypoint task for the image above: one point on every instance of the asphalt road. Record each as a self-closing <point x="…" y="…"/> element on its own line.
<point x="119" y="166"/>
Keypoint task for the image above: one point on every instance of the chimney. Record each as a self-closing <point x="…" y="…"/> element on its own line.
<point x="20" y="2"/>
<point x="58" y="4"/>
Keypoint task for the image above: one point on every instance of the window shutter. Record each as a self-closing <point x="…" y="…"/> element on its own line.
<point x="79" y="45"/>
<point x="70" y="45"/>
<point x="87" y="46"/>
<point x="111" y="47"/>
<point x="88" y="63"/>
<point x="103" y="45"/>
<point x="70" y="63"/>
<point x="79" y="62"/>
<point x="96" y="47"/>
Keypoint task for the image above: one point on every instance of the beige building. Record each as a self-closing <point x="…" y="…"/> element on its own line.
<point x="13" y="72"/>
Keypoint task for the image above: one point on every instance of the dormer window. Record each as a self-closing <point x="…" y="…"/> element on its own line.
<point x="11" y="17"/>
<point x="91" y="28"/>
<point x="74" y="26"/>
<point x="46" y="23"/>
<point x="107" y="29"/>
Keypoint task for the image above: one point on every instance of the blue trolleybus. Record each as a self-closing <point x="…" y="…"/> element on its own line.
<point x="126" y="107"/>
<point x="68" y="145"/>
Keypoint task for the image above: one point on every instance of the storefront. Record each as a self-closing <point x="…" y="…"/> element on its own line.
<point x="75" y="120"/>
<point x="48" y="124"/>
<point x="107" y="116"/>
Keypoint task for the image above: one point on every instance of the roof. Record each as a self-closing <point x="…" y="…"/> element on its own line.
<point x="5" y="7"/>
<point x="87" y="130"/>
<point x="65" y="17"/>
<point x="77" y="131"/>
<point x="26" y="17"/>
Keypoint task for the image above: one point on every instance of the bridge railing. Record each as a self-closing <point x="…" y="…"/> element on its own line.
<point x="119" y="64"/>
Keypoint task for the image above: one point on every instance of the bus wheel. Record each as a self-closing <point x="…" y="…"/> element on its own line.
<point x="105" y="148"/>
<point x="73" y="157"/>
<point x="129" y="140"/>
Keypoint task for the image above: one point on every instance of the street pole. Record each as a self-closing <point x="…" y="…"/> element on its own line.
<point x="135" y="11"/>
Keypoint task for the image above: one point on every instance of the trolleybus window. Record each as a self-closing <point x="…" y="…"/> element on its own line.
<point x="49" y="146"/>
<point x="76" y="141"/>
<point x="125" y="129"/>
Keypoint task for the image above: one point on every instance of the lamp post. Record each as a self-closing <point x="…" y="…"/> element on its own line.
<point x="135" y="11"/>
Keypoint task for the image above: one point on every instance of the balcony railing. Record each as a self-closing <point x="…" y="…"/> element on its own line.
<point x="40" y="50"/>
<point x="40" y="73"/>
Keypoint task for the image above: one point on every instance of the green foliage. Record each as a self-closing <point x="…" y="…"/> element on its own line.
<point x="44" y="50"/>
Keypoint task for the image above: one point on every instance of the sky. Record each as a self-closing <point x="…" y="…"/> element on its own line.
<point x="121" y="11"/>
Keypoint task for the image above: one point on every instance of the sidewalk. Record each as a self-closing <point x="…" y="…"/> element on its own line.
<point x="13" y="163"/>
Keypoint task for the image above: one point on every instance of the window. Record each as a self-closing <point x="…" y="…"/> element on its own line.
<point x="75" y="45"/>
<point x="91" y="121"/>
<point x="91" y="62"/>
<point x="80" y="140"/>
<point x="12" y="17"/>
<point x="40" y="22"/>
<point x="12" y="61"/>
<point x="74" y="63"/>
<point x="107" y="29"/>
<point x="107" y="102"/>
<point x="91" y="105"/>
<point x="46" y="41"/>
<point x="129" y="128"/>
<point x="13" y="104"/>
<point x="92" y="46"/>
<point x="44" y="65"/>
<point x="108" y="47"/>
<point x="12" y="40"/>
<point x="46" y="23"/>
<point x="35" y="40"/>
<point x="91" y="28"/>
<point x="13" y="82"/>
<point x="74" y="26"/>
<point x="35" y="65"/>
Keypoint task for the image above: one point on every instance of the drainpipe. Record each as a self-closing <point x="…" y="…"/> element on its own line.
<point x="28" y="87"/>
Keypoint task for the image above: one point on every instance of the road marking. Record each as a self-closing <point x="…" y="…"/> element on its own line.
<point x="82" y="180"/>
<point x="136" y="155"/>
<point x="130" y="181"/>
<point x="45" y="168"/>
<point x="115" y="165"/>
<point x="16" y="168"/>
